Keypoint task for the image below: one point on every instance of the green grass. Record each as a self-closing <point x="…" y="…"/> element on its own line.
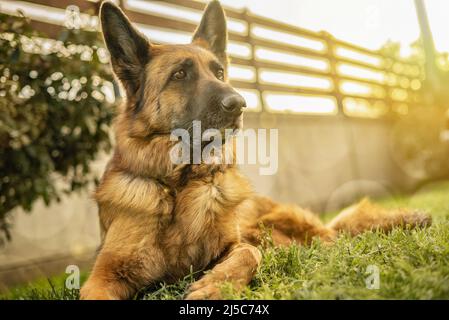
<point x="45" y="289"/>
<point x="413" y="264"/>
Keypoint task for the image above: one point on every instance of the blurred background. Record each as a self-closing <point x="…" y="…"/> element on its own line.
<point x="356" y="88"/>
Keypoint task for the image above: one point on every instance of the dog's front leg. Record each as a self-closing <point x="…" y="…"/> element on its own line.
<point x="127" y="262"/>
<point x="237" y="267"/>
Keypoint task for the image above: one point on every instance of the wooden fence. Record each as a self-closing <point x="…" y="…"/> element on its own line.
<point x="284" y="68"/>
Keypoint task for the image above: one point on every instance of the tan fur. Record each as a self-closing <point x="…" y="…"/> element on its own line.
<point x="159" y="220"/>
<point x="368" y="216"/>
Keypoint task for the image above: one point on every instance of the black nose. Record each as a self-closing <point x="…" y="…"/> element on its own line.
<point x="233" y="103"/>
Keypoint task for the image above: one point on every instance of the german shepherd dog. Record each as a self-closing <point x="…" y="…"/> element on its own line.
<point x="160" y="220"/>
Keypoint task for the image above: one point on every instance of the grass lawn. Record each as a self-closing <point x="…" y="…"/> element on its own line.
<point x="412" y="264"/>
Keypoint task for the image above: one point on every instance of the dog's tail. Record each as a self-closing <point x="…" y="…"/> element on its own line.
<point x="368" y="216"/>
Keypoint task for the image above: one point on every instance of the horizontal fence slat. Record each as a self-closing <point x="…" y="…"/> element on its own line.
<point x="374" y="99"/>
<point x="288" y="48"/>
<point x="281" y="67"/>
<point x="49" y="29"/>
<point x="371" y="82"/>
<point x="365" y="65"/>
<point x="83" y="5"/>
<point x="356" y="47"/>
<point x="196" y="5"/>
<point x="281" y="89"/>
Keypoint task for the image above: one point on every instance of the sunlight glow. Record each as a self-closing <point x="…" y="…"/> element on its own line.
<point x="362" y="89"/>
<point x="288" y="38"/>
<point x="300" y="103"/>
<point x="238" y="49"/>
<point x="363" y="108"/>
<point x="295" y="79"/>
<point x="163" y="35"/>
<point x="399" y="94"/>
<point x="405" y="51"/>
<point x="360" y="72"/>
<point x="238" y="72"/>
<point x="358" y="56"/>
<point x="287" y="58"/>
<point x="400" y="108"/>
<point x="391" y="79"/>
<point x="437" y="11"/>
<point x="415" y="84"/>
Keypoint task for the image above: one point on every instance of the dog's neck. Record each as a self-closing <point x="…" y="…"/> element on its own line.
<point x="150" y="158"/>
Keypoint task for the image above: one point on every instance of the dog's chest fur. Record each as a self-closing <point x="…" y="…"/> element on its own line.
<point x="190" y="227"/>
<point x="204" y="220"/>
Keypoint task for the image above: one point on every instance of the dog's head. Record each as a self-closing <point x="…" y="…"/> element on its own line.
<point x="169" y="86"/>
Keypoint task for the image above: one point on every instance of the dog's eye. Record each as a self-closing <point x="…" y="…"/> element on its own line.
<point x="220" y="74"/>
<point x="179" y="75"/>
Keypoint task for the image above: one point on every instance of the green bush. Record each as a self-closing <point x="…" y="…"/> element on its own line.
<point x="56" y="102"/>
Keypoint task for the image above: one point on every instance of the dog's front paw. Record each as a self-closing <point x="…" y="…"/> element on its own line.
<point x="88" y="293"/>
<point x="96" y="290"/>
<point x="204" y="289"/>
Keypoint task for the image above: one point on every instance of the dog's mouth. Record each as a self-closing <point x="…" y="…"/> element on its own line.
<point x="209" y="127"/>
<point x="233" y="123"/>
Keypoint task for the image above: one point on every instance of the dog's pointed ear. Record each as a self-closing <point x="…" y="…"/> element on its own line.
<point x="212" y="32"/>
<point x="129" y="49"/>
